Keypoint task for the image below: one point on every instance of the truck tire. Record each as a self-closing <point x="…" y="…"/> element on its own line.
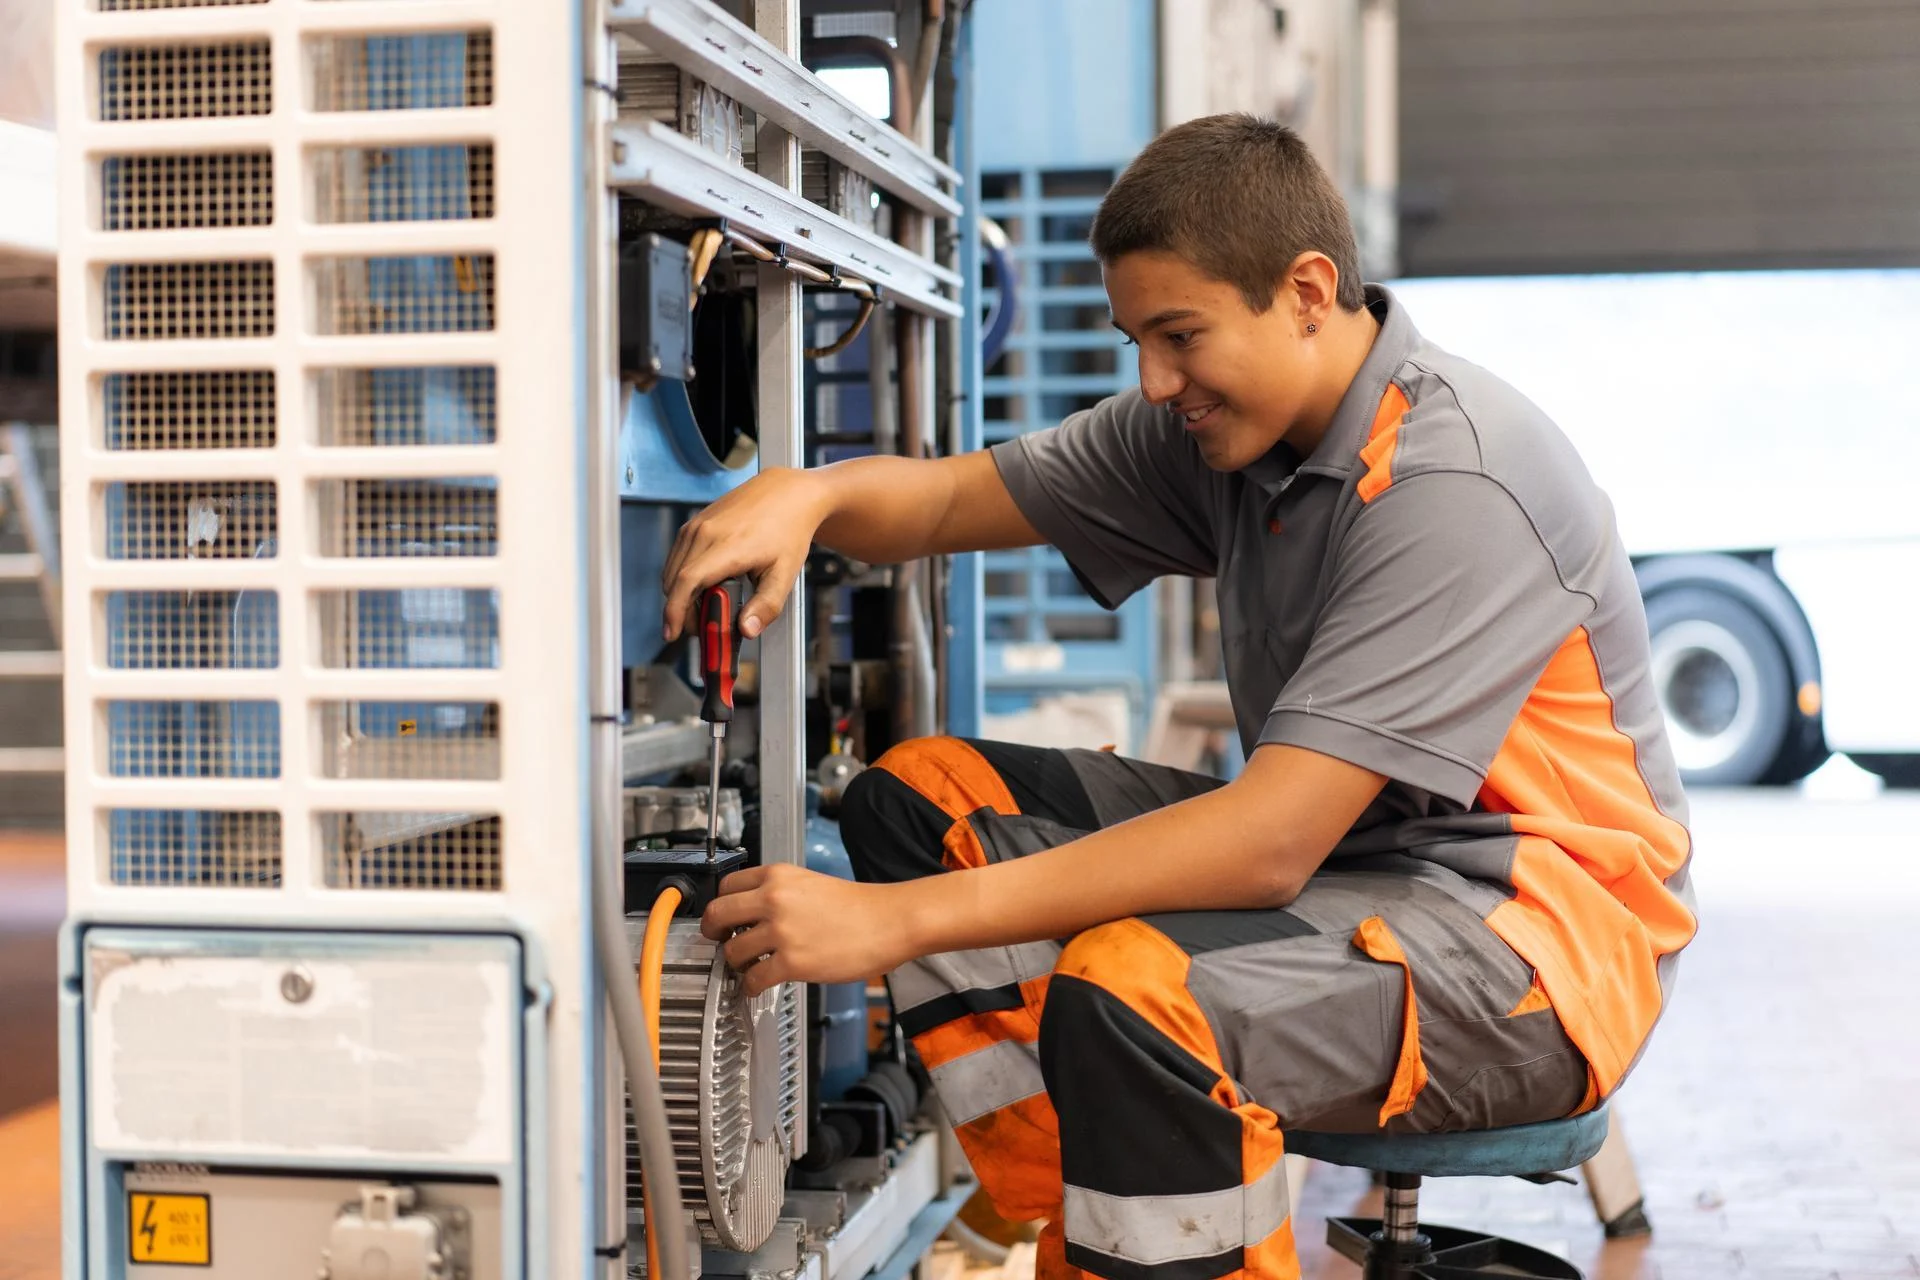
<point x="1722" y="682"/>
<point x="1902" y="770"/>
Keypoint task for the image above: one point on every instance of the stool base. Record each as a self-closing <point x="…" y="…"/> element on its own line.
<point x="1450" y="1253"/>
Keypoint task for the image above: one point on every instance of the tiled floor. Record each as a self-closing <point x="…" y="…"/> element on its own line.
<point x="1775" y="1121"/>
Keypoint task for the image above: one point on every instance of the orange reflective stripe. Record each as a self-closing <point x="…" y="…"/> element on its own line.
<point x="1015" y="1152"/>
<point x="1591" y="910"/>
<point x="1274" y="1258"/>
<point x="951" y="774"/>
<point x="1147" y="970"/>
<point x="959" y="780"/>
<point x="942" y="1044"/>
<point x="1410" y="1075"/>
<point x="1534" y="1001"/>
<point x="1383" y="441"/>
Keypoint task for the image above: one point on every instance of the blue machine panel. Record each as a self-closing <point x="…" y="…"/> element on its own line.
<point x="1057" y="118"/>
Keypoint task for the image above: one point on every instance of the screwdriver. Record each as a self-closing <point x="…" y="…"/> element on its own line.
<point x="719" y="666"/>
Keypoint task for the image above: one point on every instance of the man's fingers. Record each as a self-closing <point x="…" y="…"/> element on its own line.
<point x="725" y="914"/>
<point x="741" y="881"/>
<point x="765" y="976"/>
<point x="769" y="598"/>
<point x="745" y="947"/>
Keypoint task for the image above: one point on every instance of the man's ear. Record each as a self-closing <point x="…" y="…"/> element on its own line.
<point x="1313" y="286"/>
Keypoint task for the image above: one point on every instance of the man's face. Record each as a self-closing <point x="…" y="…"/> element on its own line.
<point x="1235" y="379"/>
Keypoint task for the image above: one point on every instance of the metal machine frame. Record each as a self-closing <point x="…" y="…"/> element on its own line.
<point x="217" y="838"/>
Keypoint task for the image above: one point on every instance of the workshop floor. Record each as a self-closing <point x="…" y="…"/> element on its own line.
<point x="1775" y="1122"/>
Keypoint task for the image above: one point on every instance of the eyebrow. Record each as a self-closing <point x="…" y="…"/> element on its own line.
<point x="1162" y="318"/>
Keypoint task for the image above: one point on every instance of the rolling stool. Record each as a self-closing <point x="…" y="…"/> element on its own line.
<point x="1398" y="1247"/>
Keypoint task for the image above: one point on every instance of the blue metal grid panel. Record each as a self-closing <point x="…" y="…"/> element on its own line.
<point x="1044" y="633"/>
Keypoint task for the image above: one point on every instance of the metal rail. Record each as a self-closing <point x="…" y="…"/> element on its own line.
<point x="734" y="59"/>
<point x="654" y="161"/>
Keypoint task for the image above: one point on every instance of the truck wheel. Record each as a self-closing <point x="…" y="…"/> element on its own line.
<point x="1723" y="685"/>
<point x="1894" y="770"/>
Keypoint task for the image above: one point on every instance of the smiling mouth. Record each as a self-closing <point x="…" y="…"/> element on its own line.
<point x="1198" y="416"/>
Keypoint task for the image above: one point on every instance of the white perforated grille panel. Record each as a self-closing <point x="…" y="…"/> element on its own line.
<point x="200" y="189"/>
<point x="197" y="409"/>
<point x="213" y="228"/>
<point x="185" y="81"/>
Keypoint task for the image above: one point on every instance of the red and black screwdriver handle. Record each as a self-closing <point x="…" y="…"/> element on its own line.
<point x="719" y="654"/>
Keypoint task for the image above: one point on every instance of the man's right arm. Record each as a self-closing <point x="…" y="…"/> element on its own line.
<point x="881" y="510"/>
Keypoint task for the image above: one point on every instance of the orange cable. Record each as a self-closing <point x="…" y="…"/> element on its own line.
<point x="653" y="959"/>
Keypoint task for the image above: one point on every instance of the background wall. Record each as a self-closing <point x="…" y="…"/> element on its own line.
<point x="1603" y="135"/>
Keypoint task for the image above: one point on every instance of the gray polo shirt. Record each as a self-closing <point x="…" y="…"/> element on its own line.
<point x="1394" y="598"/>
<point x="1436" y="593"/>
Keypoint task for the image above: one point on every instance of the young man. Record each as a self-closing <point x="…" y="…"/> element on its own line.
<point x="1449" y="888"/>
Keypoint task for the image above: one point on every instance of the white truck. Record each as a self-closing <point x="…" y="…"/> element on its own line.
<point x="1758" y="436"/>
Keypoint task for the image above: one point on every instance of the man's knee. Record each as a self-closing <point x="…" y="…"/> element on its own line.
<point x="891" y="831"/>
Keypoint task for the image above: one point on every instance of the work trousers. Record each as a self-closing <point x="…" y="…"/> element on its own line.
<point x="1132" y="1086"/>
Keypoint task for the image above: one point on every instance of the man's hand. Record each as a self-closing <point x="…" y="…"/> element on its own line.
<point x="801" y="926"/>
<point x="763" y="529"/>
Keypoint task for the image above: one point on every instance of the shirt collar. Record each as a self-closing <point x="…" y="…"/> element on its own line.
<point x="1352" y="422"/>
<point x="1347" y="434"/>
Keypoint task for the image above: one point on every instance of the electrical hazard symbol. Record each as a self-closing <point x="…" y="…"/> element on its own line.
<point x="174" y="1229"/>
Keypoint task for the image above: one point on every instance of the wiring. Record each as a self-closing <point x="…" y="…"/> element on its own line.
<point x="845" y="340"/>
<point x="653" y="961"/>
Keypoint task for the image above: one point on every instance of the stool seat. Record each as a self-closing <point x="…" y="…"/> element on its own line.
<point x="1515" y="1151"/>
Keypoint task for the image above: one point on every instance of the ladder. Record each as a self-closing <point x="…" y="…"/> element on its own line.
<point x="23" y="493"/>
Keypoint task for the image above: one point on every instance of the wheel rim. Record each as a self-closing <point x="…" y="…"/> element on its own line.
<point x="1709" y="690"/>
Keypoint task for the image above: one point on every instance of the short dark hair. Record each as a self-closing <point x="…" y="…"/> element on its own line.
<point x="1237" y="196"/>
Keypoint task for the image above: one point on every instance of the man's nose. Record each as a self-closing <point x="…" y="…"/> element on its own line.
<point x="1160" y="381"/>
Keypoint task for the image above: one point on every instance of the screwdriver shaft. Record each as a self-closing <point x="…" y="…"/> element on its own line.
<point x="713" y="795"/>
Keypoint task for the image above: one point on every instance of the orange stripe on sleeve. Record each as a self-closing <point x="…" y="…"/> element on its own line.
<point x="1383" y="443"/>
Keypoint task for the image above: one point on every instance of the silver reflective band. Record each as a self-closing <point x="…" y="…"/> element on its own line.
<point x="991" y="1078"/>
<point x="930" y="977"/>
<point x="1153" y="1229"/>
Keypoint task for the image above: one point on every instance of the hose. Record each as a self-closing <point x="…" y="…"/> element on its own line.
<point x="643" y="1078"/>
<point x="653" y="959"/>
<point x="845" y="340"/>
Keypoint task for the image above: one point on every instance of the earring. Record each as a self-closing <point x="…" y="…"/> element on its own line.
<point x="1313" y="328"/>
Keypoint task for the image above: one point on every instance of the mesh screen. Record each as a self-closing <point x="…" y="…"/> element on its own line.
<point x="450" y="293"/>
<point x="202" y="409"/>
<point x="402" y="73"/>
<point x="204" y="189"/>
<point x="156" y="300"/>
<point x="403" y="184"/>
<point x="186" y="81"/>
<point x="425" y="628"/>
<point x="193" y="739"/>
<point x="191" y="630"/>
<point x="443" y="404"/>
<point x="191" y="520"/>
<point x="386" y="518"/>
<point x="201" y="848"/>
<point x="411" y="850"/>
<point x="456" y="741"/>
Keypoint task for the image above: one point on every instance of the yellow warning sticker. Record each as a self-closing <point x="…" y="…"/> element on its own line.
<point x="170" y="1228"/>
<point x="409" y="727"/>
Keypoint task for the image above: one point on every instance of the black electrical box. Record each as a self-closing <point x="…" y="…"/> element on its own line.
<point x="656" y="309"/>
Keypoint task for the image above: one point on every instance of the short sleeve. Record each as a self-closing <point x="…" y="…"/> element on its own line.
<point x="1120" y="490"/>
<point x="1444" y="609"/>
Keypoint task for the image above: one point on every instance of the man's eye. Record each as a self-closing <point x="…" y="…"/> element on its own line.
<point x="1183" y="338"/>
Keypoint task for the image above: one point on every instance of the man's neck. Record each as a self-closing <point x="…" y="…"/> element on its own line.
<point x="1344" y="347"/>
